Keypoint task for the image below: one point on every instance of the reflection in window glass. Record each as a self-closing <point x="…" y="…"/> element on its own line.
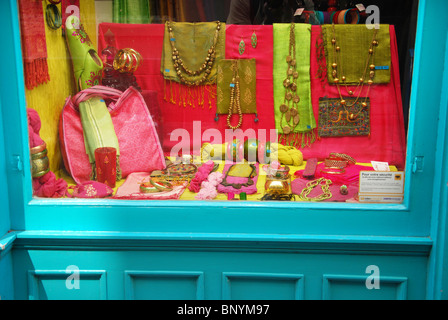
<point x="257" y="100"/>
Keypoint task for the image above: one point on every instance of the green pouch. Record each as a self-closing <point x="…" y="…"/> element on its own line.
<point x="335" y="121"/>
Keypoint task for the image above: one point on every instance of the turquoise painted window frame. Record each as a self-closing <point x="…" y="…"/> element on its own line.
<point x="412" y="218"/>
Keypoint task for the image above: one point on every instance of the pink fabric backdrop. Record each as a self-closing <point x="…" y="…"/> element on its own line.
<point x="386" y="142"/>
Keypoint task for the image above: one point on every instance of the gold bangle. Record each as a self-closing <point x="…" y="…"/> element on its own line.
<point x="39" y="155"/>
<point x="342" y="156"/>
<point x="40" y="164"/>
<point x="162" y="185"/>
<point x="127" y="60"/>
<point x="333" y="170"/>
<point x="335" y="163"/>
<point x="38" y="149"/>
<point x="146" y="187"/>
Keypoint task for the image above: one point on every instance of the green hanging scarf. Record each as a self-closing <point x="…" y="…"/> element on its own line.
<point x="303" y="133"/>
<point x="354" y="42"/>
<point x="131" y="11"/>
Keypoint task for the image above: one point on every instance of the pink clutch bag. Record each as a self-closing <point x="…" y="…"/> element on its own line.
<point x="90" y="190"/>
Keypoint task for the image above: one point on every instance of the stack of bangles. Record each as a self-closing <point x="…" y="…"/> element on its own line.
<point x="337" y="162"/>
<point x="155" y="186"/>
<point x="127" y="60"/>
<point x="53" y="16"/>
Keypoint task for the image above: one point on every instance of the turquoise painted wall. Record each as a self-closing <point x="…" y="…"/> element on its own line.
<point x="6" y="269"/>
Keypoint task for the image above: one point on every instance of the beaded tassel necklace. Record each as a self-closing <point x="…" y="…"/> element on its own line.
<point x="235" y="96"/>
<point x="289" y="108"/>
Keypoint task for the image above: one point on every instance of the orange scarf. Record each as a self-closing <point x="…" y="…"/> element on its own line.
<point x="34" y="46"/>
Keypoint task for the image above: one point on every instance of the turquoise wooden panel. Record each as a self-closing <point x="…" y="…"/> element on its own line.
<point x="438" y="270"/>
<point x="262" y="286"/>
<point x="59" y="285"/>
<point x="353" y="287"/>
<point x="6" y="277"/>
<point x="142" y="269"/>
<point x="13" y="112"/>
<point x="163" y="285"/>
<point x="6" y="240"/>
<point x="5" y="222"/>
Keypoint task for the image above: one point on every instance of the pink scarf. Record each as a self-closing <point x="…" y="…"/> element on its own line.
<point x="46" y="186"/>
<point x="201" y="176"/>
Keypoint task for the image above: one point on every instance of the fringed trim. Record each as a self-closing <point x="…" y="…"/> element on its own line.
<point x="298" y="139"/>
<point x="321" y="59"/>
<point x="192" y="96"/>
<point x="36" y="73"/>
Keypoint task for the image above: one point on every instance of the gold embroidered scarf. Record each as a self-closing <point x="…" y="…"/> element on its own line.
<point x="247" y="82"/>
<point x="354" y="42"/>
<point x="192" y="40"/>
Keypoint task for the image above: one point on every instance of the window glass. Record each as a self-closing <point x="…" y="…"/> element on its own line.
<point x="257" y="100"/>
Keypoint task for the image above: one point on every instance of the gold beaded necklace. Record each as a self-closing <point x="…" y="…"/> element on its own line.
<point x="235" y="96"/>
<point x="370" y="64"/>
<point x="289" y="109"/>
<point x="204" y="69"/>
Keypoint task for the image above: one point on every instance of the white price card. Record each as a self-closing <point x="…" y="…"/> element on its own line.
<point x="380" y="166"/>
<point x="299" y="12"/>
<point x="360" y="7"/>
<point x="379" y="186"/>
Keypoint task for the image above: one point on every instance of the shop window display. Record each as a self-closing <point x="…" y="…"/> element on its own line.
<point x="179" y="101"/>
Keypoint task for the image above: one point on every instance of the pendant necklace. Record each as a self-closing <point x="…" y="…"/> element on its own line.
<point x="289" y="108"/>
<point x="369" y="65"/>
<point x="179" y="63"/>
<point x="235" y="96"/>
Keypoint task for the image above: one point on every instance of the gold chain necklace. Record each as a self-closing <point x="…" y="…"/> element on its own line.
<point x="289" y="108"/>
<point x="179" y="64"/>
<point x="325" y="186"/>
<point x="369" y="65"/>
<point x="235" y="96"/>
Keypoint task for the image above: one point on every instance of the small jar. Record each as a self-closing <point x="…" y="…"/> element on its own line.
<point x="278" y="186"/>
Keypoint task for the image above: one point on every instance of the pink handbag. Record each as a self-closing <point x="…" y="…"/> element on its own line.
<point x="140" y="149"/>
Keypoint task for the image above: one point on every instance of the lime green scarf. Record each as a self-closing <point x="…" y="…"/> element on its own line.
<point x="303" y="134"/>
<point x="354" y="42"/>
<point x="98" y="129"/>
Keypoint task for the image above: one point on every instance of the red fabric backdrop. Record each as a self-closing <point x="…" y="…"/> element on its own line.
<point x="387" y="139"/>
